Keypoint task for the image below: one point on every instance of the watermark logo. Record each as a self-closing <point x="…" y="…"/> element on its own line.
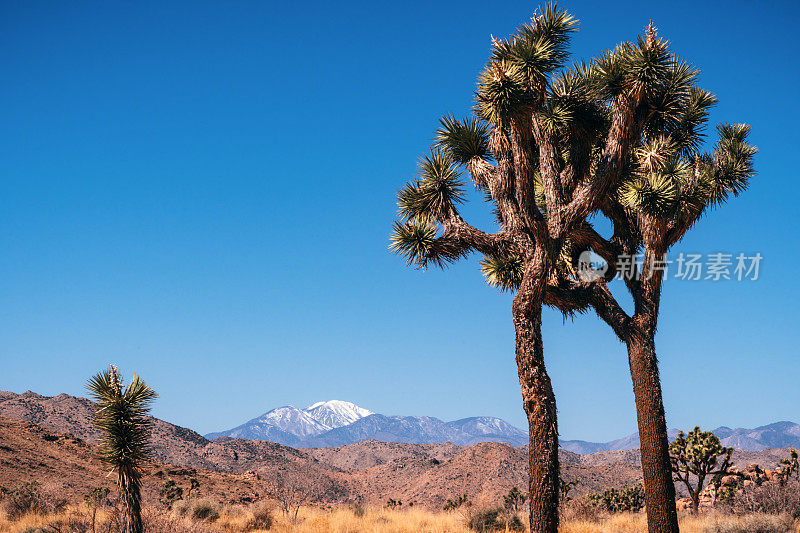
<point x="591" y="267"/>
<point x="693" y="267"/>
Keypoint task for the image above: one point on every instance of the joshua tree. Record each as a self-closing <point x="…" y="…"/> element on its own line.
<point x="697" y="455"/>
<point x="122" y="418"/>
<point x="621" y="136"/>
<point x="452" y="505"/>
<point x="97" y="498"/>
<point x="566" y="487"/>
<point x="514" y="500"/>
<point x="791" y="465"/>
<point x="194" y="484"/>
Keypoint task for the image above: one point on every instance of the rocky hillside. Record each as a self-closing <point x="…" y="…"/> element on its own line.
<point x="51" y="440"/>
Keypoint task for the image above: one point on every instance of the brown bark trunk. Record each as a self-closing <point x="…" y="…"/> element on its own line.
<point x="540" y="405"/>
<point x="662" y="516"/>
<point x="131" y="498"/>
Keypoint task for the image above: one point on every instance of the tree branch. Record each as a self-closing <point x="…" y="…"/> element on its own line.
<point x="590" y="193"/>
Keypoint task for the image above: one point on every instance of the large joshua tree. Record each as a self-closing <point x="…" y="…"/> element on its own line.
<point x="549" y="146"/>
<point x="122" y="418"/>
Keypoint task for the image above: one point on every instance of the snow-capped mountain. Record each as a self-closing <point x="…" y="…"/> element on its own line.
<point x="336" y="413"/>
<point x="292" y="426"/>
<point x="336" y="423"/>
<point x="488" y="428"/>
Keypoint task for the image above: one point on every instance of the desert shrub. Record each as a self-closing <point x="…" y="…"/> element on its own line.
<point x="157" y="522"/>
<point x="629" y="499"/>
<point x="32" y="529"/>
<point x="205" y="510"/>
<point x="580" y="509"/>
<point x="30" y="499"/>
<point x="236" y="511"/>
<point x="494" y="520"/>
<point x="169" y="493"/>
<point x="73" y="522"/>
<point x="769" y="498"/>
<point x="752" y="523"/>
<point x="182" y="508"/>
<point x="262" y="519"/>
<point x="359" y="510"/>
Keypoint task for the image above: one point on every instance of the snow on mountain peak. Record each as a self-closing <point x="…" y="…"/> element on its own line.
<point x="336" y="413"/>
<point x="293" y="420"/>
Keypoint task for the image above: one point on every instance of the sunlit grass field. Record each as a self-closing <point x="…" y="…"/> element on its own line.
<point x="372" y="520"/>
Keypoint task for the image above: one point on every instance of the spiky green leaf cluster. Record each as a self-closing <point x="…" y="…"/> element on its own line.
<point x="666" y="184"/>
<point x="502" y="93"/>
<point x="573" y="103"/>
<point x="122" y="417"/>
<point x="463" y="139"/>
<point x="504" y="273"/>
<point x="541" y="46"/>
<point x="435" y="192"/>
<point x="516" y="76"/>
<point x="417" y="242"/>
<point x="632" y="70"/>
<point x="698" y="451"/>
<point x="733" y="161"/>
<point x="626" y="500"/>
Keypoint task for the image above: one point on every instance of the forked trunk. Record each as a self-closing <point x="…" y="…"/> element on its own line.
<point x="662" y="516"/>
<point x="539" y="403"/>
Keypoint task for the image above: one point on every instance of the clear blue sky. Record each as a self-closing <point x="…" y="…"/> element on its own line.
<point x="202" y="192"/>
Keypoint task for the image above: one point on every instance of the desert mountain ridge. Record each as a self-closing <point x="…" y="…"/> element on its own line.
<point x="338" y="423"/>
<point x="52" y="440"/>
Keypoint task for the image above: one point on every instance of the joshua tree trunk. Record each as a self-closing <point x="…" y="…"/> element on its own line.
<point x="539" y="403"/>
<point x="695" y="501"/>
<point x="659" y="493"/>
<point x="131" y="507"/>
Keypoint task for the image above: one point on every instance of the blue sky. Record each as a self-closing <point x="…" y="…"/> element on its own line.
<point x="202" y="192"/>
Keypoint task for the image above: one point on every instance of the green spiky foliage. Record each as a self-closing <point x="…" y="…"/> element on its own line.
<point x="456" y="503"/>
<point x="696" y="456"/>
<point x="550" y="145"/>
<point x="668" y="182"/>
<point x="625" y="500"/>
<point x="514" y="500"/>
<point x="122" y="418"/>
<point x="790" y="465"/>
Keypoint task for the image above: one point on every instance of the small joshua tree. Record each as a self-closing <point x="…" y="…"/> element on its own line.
<point x="452" y="505"/>
<point x="194" y="484"/>
<point x="791" y="465"/>
<point x="391" y="503"/>
<point x="698" y="454"/>
<point x="566" y="487"/>
<point x="94" y="500"/>
<point x="514" y="500"/>
<point x="121" y="417"/>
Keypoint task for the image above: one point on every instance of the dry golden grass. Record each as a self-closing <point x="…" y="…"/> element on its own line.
<point x="344" y="520"/>
<point x="704" y="523"/>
